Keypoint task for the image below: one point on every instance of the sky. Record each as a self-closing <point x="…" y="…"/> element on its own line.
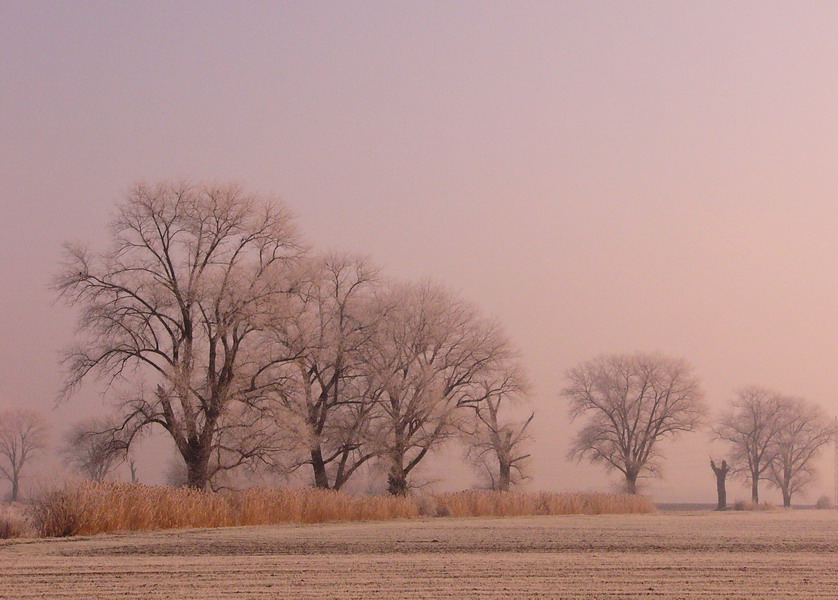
<point x="600" y="176"/>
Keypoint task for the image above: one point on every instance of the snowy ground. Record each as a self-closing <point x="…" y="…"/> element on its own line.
<point x="667" y="555"/>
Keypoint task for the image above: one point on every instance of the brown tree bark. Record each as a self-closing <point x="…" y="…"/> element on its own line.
<point x="721" y="472"/>
<point x="631" y="483"/>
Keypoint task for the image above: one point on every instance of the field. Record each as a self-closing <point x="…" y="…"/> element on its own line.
<point x="666" y="555"/>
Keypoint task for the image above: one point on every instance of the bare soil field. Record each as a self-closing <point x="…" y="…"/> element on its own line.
<point x="781" y="554"/>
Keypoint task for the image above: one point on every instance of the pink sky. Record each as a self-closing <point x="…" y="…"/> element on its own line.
<point x="600" y="176"/>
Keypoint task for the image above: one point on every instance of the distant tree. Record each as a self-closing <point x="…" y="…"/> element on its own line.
<point x="132" y="468"/>
<point x="750" y="427"/>
<point x="721" y="472"/>
<point x="495" y="441"/>
<point x="179" y="309"/>
<point x="92" y="449"/>
<point x="429" y="354"/>
<point x="631" y="402"/>
<point x="803" y="431"/>
<point x="23" y="434"/>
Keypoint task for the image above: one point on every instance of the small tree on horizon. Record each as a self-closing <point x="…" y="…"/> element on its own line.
<point x="803" y="431"/>
<point x="750" y="427"/>
<point x="23" y="434"/>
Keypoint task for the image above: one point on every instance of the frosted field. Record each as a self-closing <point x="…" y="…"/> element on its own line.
<point x="667" y="555"/>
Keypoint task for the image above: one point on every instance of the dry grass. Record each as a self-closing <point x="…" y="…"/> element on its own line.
<point x="91" y="508"/>
<point x="13" y="523"/>
<point x="514" y="504"/>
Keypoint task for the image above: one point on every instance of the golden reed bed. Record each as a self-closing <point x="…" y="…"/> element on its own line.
<point x="91" y="508"/>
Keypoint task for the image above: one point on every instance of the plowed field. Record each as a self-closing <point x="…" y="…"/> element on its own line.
<point x="782" y="554"/>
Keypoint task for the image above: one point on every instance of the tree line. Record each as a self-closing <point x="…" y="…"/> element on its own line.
<point x="211" y="319"/>
<point x="630" y="403"/>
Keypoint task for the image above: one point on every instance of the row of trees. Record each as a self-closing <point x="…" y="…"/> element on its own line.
<point x="210" y="319"/>
<point x="773" y="437"/>
<point x="630" y="403"/>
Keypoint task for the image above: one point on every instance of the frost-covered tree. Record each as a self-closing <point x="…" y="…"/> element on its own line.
<point x="325" y="392"/>
<point x="495" y="439"/>
<point x="178" y="308"/>
<point x="429" y="354"/>
<point x="629" y="403"/>
<point x="750" y="427"/>
<point x="803" y="431"/>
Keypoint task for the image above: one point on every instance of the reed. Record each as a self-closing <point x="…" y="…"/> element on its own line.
<point x="90" y="508"/>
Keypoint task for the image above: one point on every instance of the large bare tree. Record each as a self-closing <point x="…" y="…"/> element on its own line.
<point x="750" y="427"/>
<point x="496" y="440"/>
<point x="23" y="434"/>
<point x="803" y="431"/>
<point x="429" y="354"/>
<point x="630" y="402"/>
<point x="179" y="306"/>
<point x="326" y="394"/>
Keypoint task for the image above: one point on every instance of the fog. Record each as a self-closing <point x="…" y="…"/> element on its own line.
<point x="599" y="177"/>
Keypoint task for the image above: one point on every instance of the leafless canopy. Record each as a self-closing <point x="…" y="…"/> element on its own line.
<point x="430" y="352"/>
<point x="326" y="393"/>
<point x="804" y="430"/>
<point x="750" y="427"/>
<point x="629" y="403"/>
<point x="179" y="307"/>
<point x="496" y="441"/>
<point x="23" y="433"/>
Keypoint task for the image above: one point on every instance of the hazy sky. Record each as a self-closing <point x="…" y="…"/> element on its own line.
<point x="600" y="176"/>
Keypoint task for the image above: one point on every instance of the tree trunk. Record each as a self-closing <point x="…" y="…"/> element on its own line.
<point x="786" y="498"/>
<point x="318" y="466"/>
<point x="15" y="487"/>
<point x="631" y="483"/>
<point x="755" y="490"/>
<point x="197" y="468"/>
<point x="397" y="478"/>
<point x="397" y="483"/>
<point x="721" y="476"/>
<point x="503" y="478"/>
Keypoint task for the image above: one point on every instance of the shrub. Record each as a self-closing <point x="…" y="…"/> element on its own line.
<point x="11" y="528"/>
<point x="824" y="502"/>
<point x="751" y="506"/>
<point x="12" y="524"/>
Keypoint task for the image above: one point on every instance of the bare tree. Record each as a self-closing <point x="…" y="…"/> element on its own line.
<point x="751" y="427"/>
<point x="326" y="393"/>
<point x="720" y="471"/>
<point x="803" y="431"/>
<point x="92" y="449"/>
<point x="630" y="403"/>
<point x="429" y="353"/>
<point x="132" y="468"/>
<point x="496" y="442"/>
<point x="179" y="306"/>
<point x="23" y="434"/>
